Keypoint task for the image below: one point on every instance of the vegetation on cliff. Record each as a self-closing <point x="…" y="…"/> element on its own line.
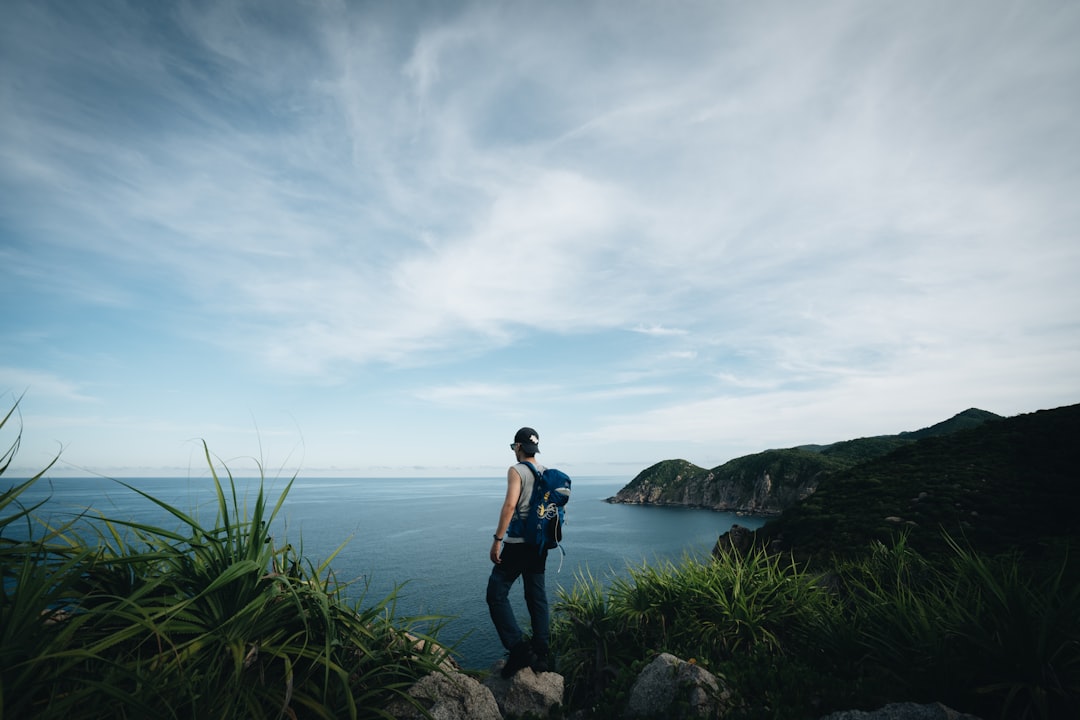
<point x="763" y="483"/>
<point x="936" y="566"/>
<point x="1011" y="483"/>
<point x="993" y="636"/>
<point x="771" y="481"/>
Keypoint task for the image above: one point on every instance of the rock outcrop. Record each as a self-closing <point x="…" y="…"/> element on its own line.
<point x="668" y="687"/>
<point x="672" y="688"/>
<point x="527" y="693"/>
<point x="762" y="484"/>
<point x="447" y="696"/>
<point x="903" y="711"/>
<point x="737" y="539"/>
<point x="769" y="482"/>
<point x="456" y="696"/>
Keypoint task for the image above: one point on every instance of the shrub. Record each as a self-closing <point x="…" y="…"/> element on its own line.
<point x="994" y="636"/>
<point x="708" y="611"/>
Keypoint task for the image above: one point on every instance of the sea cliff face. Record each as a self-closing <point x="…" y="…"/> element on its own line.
<point x="769" y="482"/>
<point x="762" y="484"/>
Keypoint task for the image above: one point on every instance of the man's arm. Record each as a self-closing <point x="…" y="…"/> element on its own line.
<point x="506" y="514"/>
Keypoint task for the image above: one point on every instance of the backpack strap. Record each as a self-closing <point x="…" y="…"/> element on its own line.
<point x="535" y="472"/>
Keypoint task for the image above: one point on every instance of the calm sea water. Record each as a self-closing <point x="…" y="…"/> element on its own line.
<point x="430" y="536"/>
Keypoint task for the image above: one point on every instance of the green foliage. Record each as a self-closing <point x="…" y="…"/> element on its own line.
<point x="793" y="472"/>
<point x="989" y="635"/>
<point x="770" y="686"/>
<point x="1010" y="483"/>
<point x="791" y="467"/>
<point x="853" y="452"/>
<point x="121" y="619"/>
<point x="735" y="483"/>
<point x="590" y="644"/>
<point x="949" y="558"/>
<point x="994" y="635"/>
<point x="665" y="474"/>
<point x="712" y="612"/>
<point x="970" y="418"/>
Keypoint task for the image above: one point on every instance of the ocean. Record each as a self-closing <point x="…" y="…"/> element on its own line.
<point x="428" y="537"/>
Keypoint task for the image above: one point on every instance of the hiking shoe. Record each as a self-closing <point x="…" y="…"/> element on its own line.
<point x="539" y="662"/>
<point x="520" y="656"/>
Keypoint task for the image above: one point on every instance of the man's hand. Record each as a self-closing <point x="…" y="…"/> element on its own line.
<point x="496" y="548"/>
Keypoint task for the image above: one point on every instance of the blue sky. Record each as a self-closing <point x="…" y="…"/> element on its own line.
<point x="375" y="238"/>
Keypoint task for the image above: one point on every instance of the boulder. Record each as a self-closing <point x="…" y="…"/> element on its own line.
<point x="447" y="696"/>
<point x="672" y="688"/>
<point x="527" y="693"/>
<point x="903" y="711"/>
<point x="423" y="646"/>
<point x="737" y="538"/>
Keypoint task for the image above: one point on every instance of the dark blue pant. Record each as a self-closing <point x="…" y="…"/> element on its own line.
<point x="519" y="559"/>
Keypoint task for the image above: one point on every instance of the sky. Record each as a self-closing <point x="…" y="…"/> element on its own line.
<point x="334" y="238"/>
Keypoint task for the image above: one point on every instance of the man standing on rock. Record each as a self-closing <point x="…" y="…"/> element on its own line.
<point x="513" y="557"/>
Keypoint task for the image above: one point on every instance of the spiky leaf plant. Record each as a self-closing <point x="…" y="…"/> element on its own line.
<point x="710" y="611"/>
<point x="992" y="634"/>
<point x="105" y="617"/>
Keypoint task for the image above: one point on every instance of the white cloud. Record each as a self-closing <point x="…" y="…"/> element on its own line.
<point x="621" y="393"/>
<point x="469" y="393"/>
<point x="904" y="395"/>
<point x="21" y="381"/>
<point x="658" y="330"/>
<point x="799" y="207"/>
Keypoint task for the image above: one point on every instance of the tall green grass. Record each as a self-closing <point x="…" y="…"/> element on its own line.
<point x="992" y="636"/>
<point x="717" y="613"/>
<point x="105" y="617"/>
<point x="996" y="635"/>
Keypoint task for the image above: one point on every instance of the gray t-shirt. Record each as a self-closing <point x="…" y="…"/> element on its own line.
<point x="527" y="482"/>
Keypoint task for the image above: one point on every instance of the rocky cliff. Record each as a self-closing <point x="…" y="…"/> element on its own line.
<point x="762" y="484"/>
<point x="1008" y="484"/>
<point x="769" y="482"/>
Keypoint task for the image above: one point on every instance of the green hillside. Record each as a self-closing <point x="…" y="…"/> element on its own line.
<point x="771" y="481"/>
<point x="666" y="474"/>
<point x="970" y="418"/>
<point x="853" y="452"/>
<point x="1008" y="483"/>
<point x="790" y="468"/>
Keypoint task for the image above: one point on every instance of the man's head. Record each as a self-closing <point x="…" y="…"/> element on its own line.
<point x="528" y="440"/>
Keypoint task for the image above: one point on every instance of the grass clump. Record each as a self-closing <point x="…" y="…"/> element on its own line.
<point x="719" y="614"/>
<point x="989" y="635"/>
<point x="994" y="635"/>
<point x="104" y="617"/>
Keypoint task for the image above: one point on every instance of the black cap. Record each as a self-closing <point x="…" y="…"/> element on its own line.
<point x="529" y="439"/>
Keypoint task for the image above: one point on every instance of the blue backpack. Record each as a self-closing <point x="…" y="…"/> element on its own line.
<point x="543" y="524"/>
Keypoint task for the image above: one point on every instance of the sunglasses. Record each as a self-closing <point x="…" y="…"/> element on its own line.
<point x="513" y="446"/>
